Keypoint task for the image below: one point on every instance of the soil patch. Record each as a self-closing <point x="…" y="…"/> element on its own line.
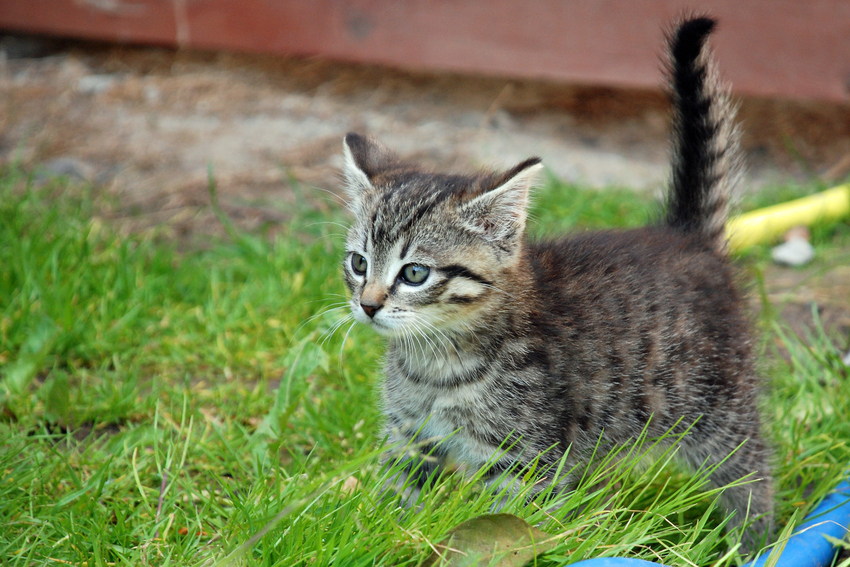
<point x="147" y="124"/>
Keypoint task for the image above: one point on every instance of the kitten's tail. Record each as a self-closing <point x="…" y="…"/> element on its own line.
<point x="706" y="162"/>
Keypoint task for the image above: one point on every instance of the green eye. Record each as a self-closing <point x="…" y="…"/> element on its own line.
<point x="358" y="264"/>
<point x="414" y="274"/>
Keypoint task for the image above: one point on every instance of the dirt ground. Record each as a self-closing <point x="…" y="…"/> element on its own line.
<point x="145" y="124"/>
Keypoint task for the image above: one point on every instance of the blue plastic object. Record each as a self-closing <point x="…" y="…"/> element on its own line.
<point x="806" y="548"/>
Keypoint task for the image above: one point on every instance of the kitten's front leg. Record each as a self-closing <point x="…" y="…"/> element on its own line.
<point x="505" y="486"/>
<point x="419" y="464"/>
<point x="506" y="479"/>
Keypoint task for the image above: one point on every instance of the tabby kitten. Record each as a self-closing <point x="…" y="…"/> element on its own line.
<point x="500" y="345"/>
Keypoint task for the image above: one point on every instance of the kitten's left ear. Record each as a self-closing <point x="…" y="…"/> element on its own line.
<point x="500" y="213"/>
<point x="364" y="159"/>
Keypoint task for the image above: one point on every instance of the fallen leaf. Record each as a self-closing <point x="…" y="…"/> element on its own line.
<point x="497" y="540"/>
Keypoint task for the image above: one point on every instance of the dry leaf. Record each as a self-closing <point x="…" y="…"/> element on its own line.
<point x="502" y="540"/>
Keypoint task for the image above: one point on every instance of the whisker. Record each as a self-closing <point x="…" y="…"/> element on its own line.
<point x="420" y="321"/>
<point x="336" y="327"/>
<point x="411" y="341"/>
<point x="339" y="199"/>
<point x="345" y="227"/>
<point x="342" y="346"/>
<point x="332" y="307"/>
<point x="329" y="333"/>
<point x="322" y="299"/>
<point x="428" y="340"/>
<point x="406" y="345"/>
<point x="329" y="307"/>
<point x="494" y="288"/>
<point x="415" y="337"/>
<point x="442" y="337"/>
<point x="455" y="322"/>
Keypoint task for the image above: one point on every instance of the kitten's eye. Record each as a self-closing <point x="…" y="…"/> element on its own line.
<point x="358" y="264"/>
<point x="414" y="274"/>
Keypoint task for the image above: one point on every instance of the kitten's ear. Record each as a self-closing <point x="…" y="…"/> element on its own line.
<point x="500" y="213"/>
<point x="364" y="159"/>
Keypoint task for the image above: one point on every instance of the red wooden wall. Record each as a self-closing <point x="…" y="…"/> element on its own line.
<point x="781" y="48"/>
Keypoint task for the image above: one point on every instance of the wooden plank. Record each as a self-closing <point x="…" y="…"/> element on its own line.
<point x="780" y="48"/>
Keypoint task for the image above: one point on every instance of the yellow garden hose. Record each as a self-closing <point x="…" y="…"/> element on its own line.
<point x="769" y="223"/>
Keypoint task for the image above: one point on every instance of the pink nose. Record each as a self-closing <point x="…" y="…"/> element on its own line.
<point x="370" y="309"/>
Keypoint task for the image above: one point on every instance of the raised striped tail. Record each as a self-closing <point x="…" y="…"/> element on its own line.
<point x="706" y="159"/>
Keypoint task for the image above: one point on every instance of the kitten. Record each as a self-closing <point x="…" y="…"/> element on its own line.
<point x="499" y="344"/>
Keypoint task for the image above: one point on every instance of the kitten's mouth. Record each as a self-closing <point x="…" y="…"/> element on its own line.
<point x="384" y="330"/>
<point x="379" y="327"/>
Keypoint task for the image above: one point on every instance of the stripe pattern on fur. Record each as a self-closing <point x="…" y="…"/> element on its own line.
<point x="500" y="345"/>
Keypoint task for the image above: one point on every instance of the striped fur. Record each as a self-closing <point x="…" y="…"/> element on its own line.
<point x="500" y="344"/>
<point x="706" y="158"/>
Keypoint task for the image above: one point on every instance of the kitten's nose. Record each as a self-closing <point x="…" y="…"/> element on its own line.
<point x="370" y="308"/>
<point x="372" y="298"/>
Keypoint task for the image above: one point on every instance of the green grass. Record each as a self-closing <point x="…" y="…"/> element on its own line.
<point x="179" y="408"/>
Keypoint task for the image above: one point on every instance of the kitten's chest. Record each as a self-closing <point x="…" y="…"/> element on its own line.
<point x="442" y="409"/>
<point x="438" y="410"/>
<point x="459" y="430"/>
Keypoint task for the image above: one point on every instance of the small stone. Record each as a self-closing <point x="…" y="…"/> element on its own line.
<point x="95" y="84"/>
<point x="795" y="252"/>
<point x="846" y="359"/>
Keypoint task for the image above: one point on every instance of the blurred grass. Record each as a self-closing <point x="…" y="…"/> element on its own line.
<point x="162" y="407"/>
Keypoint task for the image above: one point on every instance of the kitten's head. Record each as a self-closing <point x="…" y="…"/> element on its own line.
<point x="428" y="251"/>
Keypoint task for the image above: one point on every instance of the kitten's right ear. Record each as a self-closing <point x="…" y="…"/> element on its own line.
<point x="364" y="159"/>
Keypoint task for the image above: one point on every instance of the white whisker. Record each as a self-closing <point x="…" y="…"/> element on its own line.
<point x="339" y="199"/>
<point x="342" y="346"/>
<point x="415" y="337"/>
<point x="408" y="343"/>
<point x="443" y="338"/>
<point x="330" y="308"/>
<point x="494" y="288"/>
<point x="327" y="335"/>
<point x="428" y="340"/>
<point x="454" y="322"/>
<point x="345" y="227"/>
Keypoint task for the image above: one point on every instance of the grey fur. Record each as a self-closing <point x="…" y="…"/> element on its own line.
<point x="549" y="344"/>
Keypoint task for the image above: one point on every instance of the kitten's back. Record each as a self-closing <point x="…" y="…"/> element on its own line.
<point x="649" y="322"/>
